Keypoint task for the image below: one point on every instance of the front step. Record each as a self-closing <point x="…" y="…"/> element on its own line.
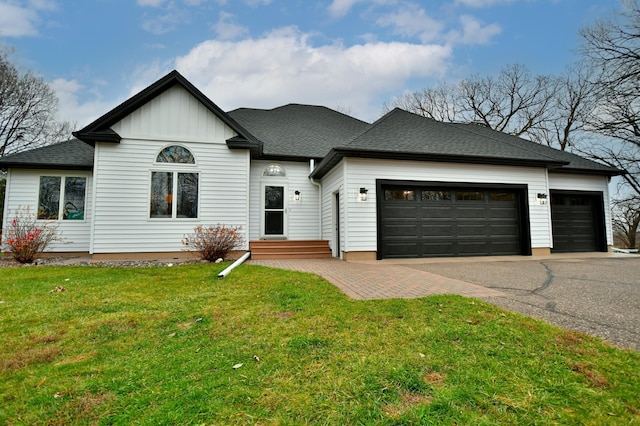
<point x="289" y="249"/>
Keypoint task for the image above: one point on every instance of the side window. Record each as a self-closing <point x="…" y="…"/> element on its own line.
<point x="174" y="193"/>
<point x="62" y="197"/>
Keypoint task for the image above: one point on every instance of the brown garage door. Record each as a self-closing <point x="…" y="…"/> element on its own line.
<point x="428" y="221"/>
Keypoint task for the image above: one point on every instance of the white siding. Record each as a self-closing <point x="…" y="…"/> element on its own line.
<point x="174" y="115"/>
<point x="22" y="191"/>
<point x="577" y="182"/>
<point x="332" y="183"/>
<point x="360" y="217"/>
<point x="301" y="216"/>
<point x="122" y="222"/>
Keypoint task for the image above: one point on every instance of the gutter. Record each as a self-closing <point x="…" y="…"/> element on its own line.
<point x="234" y="265"/>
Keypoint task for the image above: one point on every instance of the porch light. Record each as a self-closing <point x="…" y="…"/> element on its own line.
<point x="296" y="195"/>
<point x="362" y="195"/>
<point x="542" y="199"/>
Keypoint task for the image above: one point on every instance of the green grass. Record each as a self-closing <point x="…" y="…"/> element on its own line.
<point x="158" y="346"/>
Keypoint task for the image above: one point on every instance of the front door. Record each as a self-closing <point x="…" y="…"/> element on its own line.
<point x="274" y="223"/>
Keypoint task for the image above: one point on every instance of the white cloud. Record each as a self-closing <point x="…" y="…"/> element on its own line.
<point x="16" y="21"/>
<point x="283" y="67"/>
<point x="227" y="29"/>
<point x="152" y="3"/>
<point x="339" y="8"/>
<point x="473" y="32"/>
<point x="412" y="21"/>
<point x="74" y="106"/>
<point x="481" y="3"/>
<point x="168" y="22"/>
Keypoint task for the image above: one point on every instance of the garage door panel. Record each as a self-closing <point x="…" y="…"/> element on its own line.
<point x="401" y="249"/>
<point x="436" y="211"/>
<point x="401" y="230"/>
<point x="472" y="230"/>
<point x="437" y="248"/>
<point x="437" y="230"/>
<point x="472" y="248"/>
<point x="470" y="212"/>
<point x="457" y="222"/>
<point x="403" y="211"/>
<point x="503" y="230"/>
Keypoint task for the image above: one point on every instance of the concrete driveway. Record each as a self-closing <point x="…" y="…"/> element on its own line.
<point x="598" y="293"/>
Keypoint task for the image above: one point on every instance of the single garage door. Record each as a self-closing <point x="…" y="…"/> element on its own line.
<point x="431" y="221"/>
<point x="577" y="221"/>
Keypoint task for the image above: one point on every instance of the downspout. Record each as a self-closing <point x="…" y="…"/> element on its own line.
<point x="234" y="265"/>
<point x="312" y="166"/>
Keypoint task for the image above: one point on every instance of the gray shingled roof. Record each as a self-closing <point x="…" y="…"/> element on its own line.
<point x="576" y="162"/>
<point x="400" y="131"/>
<point x="296" y="130"/>
<point x="71" y="154"/>
<point x="403" y="135"/>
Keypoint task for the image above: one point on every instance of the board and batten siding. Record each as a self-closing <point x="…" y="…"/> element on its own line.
<point x="360" y="217"/>
<point x="23" y="187"/>
<point x="589" y="183"/>
<point x="302" y="217"/>
<point x="122" y="222"/>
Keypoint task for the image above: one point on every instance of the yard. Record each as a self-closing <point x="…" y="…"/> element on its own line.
<point x="175" y="345"/>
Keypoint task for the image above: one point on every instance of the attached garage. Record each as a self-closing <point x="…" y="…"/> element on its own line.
<point x="577" y="220"/>
<point x="432" y="219"/>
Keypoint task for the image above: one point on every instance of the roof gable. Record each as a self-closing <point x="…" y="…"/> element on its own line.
<point x="100" y="130"/>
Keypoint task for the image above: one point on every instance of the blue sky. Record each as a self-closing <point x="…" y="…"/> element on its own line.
<point x="348" y="54"/>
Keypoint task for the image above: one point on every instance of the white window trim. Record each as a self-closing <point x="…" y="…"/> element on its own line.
<point x="174" y="206"/>
<point x="61" y="203"/>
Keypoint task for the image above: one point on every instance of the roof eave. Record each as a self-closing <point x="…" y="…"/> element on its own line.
<point x="336" y="154"/>
<point x="48" y="166"/>
<point x="582" y="171"/>
<point x="107" y="135"/>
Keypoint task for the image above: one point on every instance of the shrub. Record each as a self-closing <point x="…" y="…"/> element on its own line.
<point x="26" y="238"/>
<point x="213" y="242"/>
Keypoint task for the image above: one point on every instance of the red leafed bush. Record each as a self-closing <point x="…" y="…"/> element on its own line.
<point x="213" y="242"/>
<point x="27" y="238"/>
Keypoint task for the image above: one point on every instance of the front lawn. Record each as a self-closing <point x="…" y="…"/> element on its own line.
<point x="175" y="345"/>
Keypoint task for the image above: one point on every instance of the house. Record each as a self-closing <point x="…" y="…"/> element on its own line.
<point x="143" y="175"/>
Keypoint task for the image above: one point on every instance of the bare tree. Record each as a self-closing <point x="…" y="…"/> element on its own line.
<point x="569" y="110"/>
<point x="626" y="221"/>
<point x="440" y="103"/>
<point x="613" y="47"/>
<point x="545" y="109"/>
<point x="515" y="102"/>
<point x="28" y="109"/>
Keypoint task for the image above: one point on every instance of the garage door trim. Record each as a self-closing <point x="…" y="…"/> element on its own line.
<point x="521" y="189"/>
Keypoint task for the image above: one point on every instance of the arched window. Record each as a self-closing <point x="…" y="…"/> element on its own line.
<point x="175" y="154"/>
<point x="274" y="169"/>
<point x="174" y="193"/>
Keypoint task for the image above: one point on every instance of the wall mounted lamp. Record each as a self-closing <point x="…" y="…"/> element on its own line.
<point x="296" y="195"/>
<point x="542" y="199"/>
<point x="362" y="195"/>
